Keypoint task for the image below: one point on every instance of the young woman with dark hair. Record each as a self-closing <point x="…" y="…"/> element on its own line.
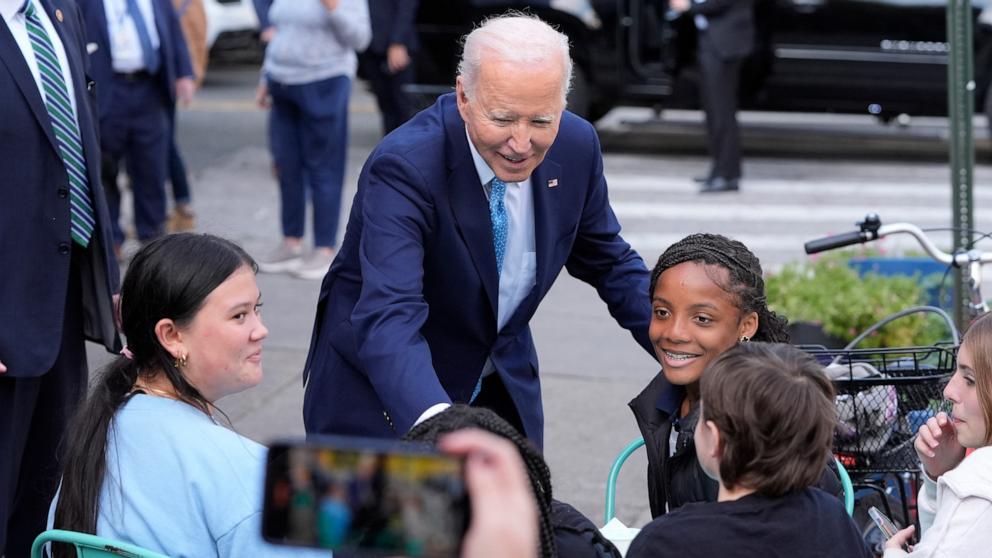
<point x="766" y="426"/>
<point x="147" y="462"/>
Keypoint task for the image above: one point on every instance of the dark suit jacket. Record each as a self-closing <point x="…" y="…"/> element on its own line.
<point x="407" y="313"/>
<point x="731" y="26"/>
<point x="392" y="23"/>
<point x="35" y="245"/>
<point x="172" y="50"/>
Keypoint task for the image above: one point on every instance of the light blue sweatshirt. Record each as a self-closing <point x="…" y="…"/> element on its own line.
<point x="181" y="485"/>
<point x="312" y="44"/>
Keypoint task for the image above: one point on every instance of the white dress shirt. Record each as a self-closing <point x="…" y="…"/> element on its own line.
<point x="125" y="46"/>
<point x="519" y="273"/>
<point x="16" y="21"/>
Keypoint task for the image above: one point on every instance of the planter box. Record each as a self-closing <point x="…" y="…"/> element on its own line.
<point x="922" y="267"/>
<point x="806" y="333"/>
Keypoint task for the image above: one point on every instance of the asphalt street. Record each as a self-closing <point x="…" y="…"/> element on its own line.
<point x="805" y="176"/>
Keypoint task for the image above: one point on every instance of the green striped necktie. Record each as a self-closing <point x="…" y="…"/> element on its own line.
<point x="64" y="125"/>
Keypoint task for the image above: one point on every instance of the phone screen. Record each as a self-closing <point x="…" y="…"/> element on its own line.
<point x="374" y="497"/>
<point x="883" y="523"/>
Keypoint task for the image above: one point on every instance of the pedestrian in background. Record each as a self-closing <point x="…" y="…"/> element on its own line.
<point x="57" y="270"/>
<point x="725" y="31"/>
<point x="193" y="21"/>
<point x="141" y="66"/>
<point x="306" y="80"/>
<point x="387" y="64"/>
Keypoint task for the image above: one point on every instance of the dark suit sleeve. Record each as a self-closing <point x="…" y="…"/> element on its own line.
<point x="402" y="31"/>
<point x="180" y="61"/>
<point x="398" y="215"/>
<point x="603" y="259"/>
<point x="262" y="10"/>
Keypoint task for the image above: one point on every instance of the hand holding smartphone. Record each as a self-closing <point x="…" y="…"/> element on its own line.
<point x="884" y="524"/>
<point x="365" y="496"/>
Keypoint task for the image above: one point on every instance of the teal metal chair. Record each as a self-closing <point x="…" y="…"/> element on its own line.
<point x="90" y="546"/>
<point x="611" y="481"/>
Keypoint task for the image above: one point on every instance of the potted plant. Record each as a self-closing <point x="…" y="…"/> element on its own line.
<point x="827" y="294"/>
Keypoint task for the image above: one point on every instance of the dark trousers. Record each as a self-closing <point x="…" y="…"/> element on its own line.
<point x="308" y="137"/>
<point x="34" y="413"/>
<point x="720" y="81"/>
<point x="394" y="105"/>
<point x="136" y="129"/>
<point x="177" y="167"/>
<point x="495" y="397"/>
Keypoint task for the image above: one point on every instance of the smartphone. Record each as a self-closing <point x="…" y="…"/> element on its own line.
<point x="883" y="523"/>
<point x="365" y="497"/>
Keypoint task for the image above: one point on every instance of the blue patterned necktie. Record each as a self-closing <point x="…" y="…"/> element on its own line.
<point x="65" y="126"/>
<point x="501" y="225"/>
<point x="148" y="53"/>
<point x="497" y="212"/>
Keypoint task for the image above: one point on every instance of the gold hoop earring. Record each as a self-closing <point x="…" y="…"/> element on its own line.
<point x="745" y="339"/>
<point x="182" y="361"/>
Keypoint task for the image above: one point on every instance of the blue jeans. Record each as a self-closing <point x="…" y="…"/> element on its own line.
<point x="308" y="137"/>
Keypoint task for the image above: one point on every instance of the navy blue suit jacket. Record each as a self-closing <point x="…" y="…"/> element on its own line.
<point x="35" y="245"/>
<point x="407" y="312"/>
<point x="392" y="23"/>
<point x="174" y="56"/>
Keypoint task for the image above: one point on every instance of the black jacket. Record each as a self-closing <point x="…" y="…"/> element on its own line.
<point x="731" y="26"/>
<point x="678" y="479"/>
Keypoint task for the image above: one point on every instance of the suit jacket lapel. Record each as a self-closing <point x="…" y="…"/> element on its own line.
<point x="11" y="56"/>
<point x="546" y="190"/>
<point x="469" y="204"/>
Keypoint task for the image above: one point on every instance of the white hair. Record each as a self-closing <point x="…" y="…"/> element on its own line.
<point x="514" y="37"/>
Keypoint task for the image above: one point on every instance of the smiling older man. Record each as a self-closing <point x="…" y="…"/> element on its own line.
<point x="463" y="219"/>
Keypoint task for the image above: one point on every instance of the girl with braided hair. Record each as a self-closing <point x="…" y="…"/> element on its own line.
<point x="707" y="295"/>
<point x="564" y="531"/>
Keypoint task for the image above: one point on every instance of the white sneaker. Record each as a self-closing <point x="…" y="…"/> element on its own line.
<point x="281" y="258"/>
<point x="315" y="265"/>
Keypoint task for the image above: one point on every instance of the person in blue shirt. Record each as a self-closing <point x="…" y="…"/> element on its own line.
<point x="148" y="461"/>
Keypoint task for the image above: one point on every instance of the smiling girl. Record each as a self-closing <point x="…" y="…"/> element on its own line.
<point x="955" y="502"/>
<point x="707" y="295"/>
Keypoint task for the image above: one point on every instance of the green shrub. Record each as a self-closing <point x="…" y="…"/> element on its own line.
<point x="830" y="294"/>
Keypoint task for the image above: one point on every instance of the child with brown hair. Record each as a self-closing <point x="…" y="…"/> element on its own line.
<point x="765" y="429"/>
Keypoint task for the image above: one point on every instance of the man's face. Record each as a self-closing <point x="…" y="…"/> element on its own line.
<point x="513" y="115"/>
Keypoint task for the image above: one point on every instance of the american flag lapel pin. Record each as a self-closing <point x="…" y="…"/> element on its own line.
<point x="553" y="183"/>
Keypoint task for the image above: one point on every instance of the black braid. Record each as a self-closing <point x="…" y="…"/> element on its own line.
<point x="458" y="417"/>
<point x="746" y="281"/>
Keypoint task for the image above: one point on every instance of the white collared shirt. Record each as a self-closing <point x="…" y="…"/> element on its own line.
<point x="125" y="46"/>
<point x="16" y="21"/>
<point x="519" y="272"/>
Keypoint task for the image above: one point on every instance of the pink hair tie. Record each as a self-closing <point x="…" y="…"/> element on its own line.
<point x="127" y="353"/>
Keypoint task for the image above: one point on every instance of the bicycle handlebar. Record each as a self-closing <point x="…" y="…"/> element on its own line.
<point x="836" y="241"/>
<point x="872" y="229"/>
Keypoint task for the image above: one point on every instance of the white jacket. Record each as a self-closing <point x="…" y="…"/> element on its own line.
<point x="956" y="511"/>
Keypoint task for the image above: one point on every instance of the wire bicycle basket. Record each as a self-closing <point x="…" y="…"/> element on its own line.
<point x="883" y="396"/>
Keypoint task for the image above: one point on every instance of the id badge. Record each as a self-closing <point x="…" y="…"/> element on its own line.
<point x="125" y="46"/>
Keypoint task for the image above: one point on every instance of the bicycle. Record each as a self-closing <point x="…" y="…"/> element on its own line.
<point x="884" y="395"/>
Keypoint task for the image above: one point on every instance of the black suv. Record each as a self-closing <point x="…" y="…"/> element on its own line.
<point x="883" y="57"/>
